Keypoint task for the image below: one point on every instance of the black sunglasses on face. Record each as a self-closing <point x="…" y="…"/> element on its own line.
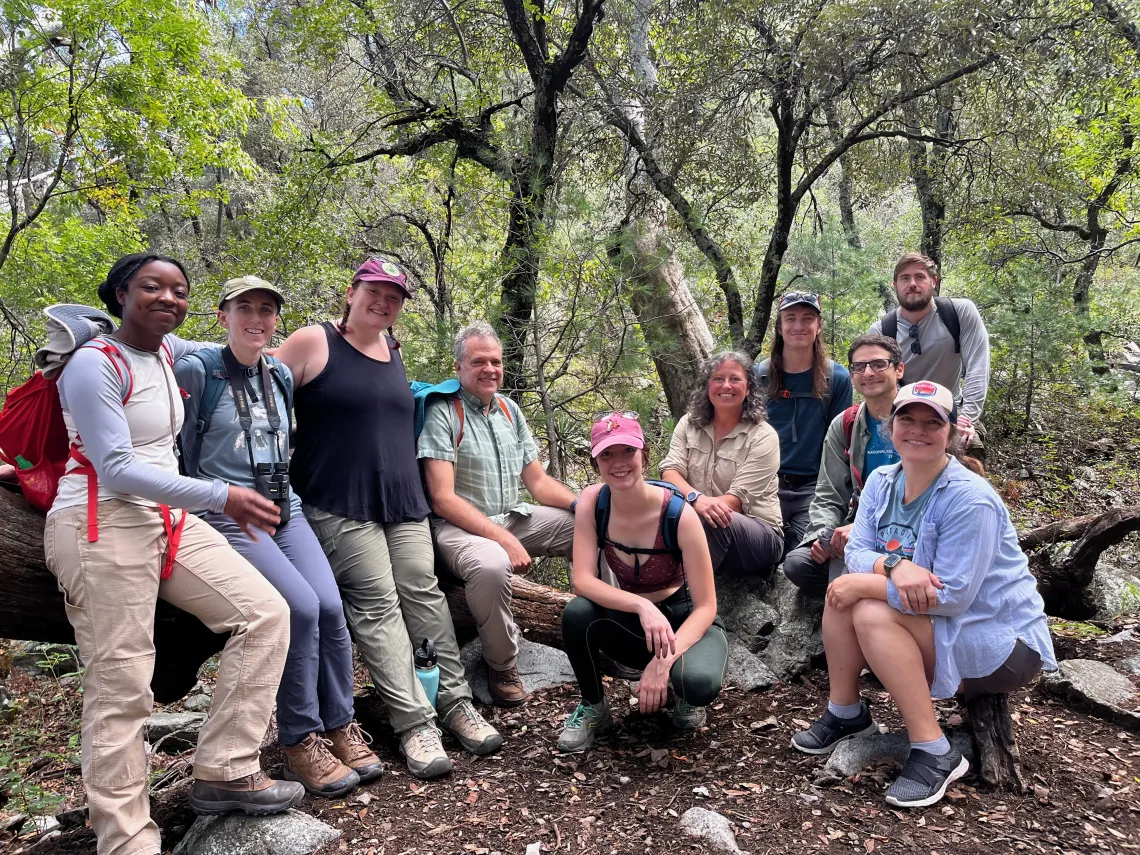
<point x="876" y="365"/>
<point x="916" y="345"/>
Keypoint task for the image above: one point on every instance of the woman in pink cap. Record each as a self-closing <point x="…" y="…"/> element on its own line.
<point x="661" y="615"/>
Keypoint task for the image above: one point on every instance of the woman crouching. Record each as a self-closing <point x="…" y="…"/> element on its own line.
<point x="938" y="599"/>
<point x="662" y="615"/>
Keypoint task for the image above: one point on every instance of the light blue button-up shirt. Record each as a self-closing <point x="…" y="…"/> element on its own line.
<point x="966" y="538"/>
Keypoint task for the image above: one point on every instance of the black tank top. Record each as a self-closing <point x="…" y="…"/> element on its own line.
<point x="356" y="447"/>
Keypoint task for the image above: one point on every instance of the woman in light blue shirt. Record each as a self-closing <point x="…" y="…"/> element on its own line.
<point x="938" y="599"/>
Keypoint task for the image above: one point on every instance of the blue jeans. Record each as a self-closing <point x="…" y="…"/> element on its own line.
<point x="316" y="688"/>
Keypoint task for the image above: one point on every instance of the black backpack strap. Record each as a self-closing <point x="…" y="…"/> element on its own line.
<point x="949" y="317"/>
<point x="890" y="324"/>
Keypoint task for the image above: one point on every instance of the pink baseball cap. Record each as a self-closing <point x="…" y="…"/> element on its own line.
<point x="615" y="429"/>
<point x="377" y="269"/>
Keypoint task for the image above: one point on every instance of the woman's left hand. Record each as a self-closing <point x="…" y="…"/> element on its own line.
<point x="846" y="591"/>
<point x="654" y="686"/>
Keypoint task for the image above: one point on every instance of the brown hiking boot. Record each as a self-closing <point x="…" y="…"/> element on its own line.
<point x="311" y="763"/>
<point x="349" y="744"/>
<point x="253" y="795"/>
<point x="506" y="687"/>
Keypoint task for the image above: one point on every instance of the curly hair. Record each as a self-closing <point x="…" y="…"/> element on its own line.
<point x="701" y="408"/>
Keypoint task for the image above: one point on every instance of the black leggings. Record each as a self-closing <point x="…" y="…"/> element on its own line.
<point x="589" y="629"/>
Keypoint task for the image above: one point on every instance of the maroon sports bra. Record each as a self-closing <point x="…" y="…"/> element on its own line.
<point x="660" y="570"/>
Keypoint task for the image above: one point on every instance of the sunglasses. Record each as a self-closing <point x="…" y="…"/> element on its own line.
<point x="794" y="297"/>
<point x="876" y="365"/>
<point x="915" y="345"/>
<point x="625" y="414"/>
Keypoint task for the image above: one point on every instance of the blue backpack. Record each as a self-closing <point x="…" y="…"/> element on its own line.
<point x="216" y="382"/>
<point x="669" y="530"/>
<point x="423" y="393"/>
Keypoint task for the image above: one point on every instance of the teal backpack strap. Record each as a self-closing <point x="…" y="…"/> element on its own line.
<point x="211" y="359"/>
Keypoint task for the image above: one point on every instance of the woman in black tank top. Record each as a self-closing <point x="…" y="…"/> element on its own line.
<point x="355" y="470"/>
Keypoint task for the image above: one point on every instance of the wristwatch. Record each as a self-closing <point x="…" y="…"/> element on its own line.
<point x="693" y="496"/>
<point x="891" y="562"/>
<point x="574" y="506"/>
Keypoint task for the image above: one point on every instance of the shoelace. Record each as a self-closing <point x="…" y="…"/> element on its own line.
<point x="318" y="753"/>
<point x="358" y="739"/>
<point x="426" y="737"/>
<point x="511" y="677"/>
<point x="469" y="713"/>
<point x="579" y="715"/>
<point x="685" y="708"/>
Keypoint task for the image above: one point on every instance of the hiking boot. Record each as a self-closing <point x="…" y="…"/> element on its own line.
<point x="925" y="777"/>
<point x="349" y="744"/>
<point x="424" y="752"/>
<point x="830" y="730"/>
<point x="610" y="666"/>
<point x="586" y="722"/>
<point x="688" y="717"/>
<point x="471" y="730"/>
<point x="506" y="687"/>
<point x="253" y="795"/>
<point x="312" y="763"/>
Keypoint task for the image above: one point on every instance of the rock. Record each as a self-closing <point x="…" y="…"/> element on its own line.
<point x="797" y="638"/>
<point x="745" y="669"/>
<point x="741" y="607"/>
<point x="198" y="703"/>
<point x="539" y="666"/>
<point x="41" y="660"/>
<point x="853" y="756"/>
<point x="1114" y="591"/>
<point x="711" y="827"/>
<point x="1104" y="445"/>
<point x="1131" y="665"/>
<point x="74" y="818"/>
<point x="1085" y="472"/>
<point x="1104" y="691"/>
<point x="289" y="833"/>
<point x="13" y="823"/>
<point x="1023" y="474"/>
<point x="8" y="706"/>
<point x="44" y="824"/>
<point x="178" y="731"/>
<point x="1122" y="636"/>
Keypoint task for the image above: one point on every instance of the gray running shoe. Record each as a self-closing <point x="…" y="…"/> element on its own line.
<point x="688" y="717"/>
<point x="586" y="722"/>
<point x="830" y="730"/>
<point x="925" y="777"/>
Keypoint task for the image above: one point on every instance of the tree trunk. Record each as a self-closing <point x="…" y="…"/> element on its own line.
<point x="846" y="207"/>
<point x="998" y="762"/>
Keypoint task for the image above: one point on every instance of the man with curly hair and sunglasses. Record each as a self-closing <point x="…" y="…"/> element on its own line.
<point x="943" y="340"/>
<point x="476" y="448"/>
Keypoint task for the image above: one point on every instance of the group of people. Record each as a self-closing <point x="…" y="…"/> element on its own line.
<point x="183" y="483"/>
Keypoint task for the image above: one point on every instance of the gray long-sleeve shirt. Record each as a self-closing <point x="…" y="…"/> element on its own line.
<point x="966" y="374"/>
<point x="130" y="446"/>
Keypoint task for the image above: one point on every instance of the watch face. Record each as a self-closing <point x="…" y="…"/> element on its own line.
<point x="692" y="497"/>
<point x="892" y="559"/>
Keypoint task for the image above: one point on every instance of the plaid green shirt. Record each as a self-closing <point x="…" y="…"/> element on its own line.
<point x="491" y="457"/>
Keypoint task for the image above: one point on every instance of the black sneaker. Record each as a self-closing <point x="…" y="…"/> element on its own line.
<point x="830" y="730"/>
<point x="925" y="777"/>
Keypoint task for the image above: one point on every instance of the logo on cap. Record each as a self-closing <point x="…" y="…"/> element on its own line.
<point x="924" y="389"/>
<point x="390" y="268"/>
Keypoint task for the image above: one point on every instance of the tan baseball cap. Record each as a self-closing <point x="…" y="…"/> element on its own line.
<point x="234" y="287"/>
<point x="938" y="398"/>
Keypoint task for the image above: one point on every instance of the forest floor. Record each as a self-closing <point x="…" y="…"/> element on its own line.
<point x="627" y="794"/>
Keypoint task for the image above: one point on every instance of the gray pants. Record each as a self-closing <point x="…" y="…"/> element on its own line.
<point x="794" y="504"/>
<point x="486" y="572"/>
<point x="811" y="577"/>
<point x="386" y="575"/>
<point x="315" y="694"/>
<point x="747" y="547"/>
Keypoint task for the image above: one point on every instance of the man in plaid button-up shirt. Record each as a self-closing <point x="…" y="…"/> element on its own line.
<point x="473" y="466"/>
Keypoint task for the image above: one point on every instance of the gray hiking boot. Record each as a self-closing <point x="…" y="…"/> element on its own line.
<point x="424" y="752"/>
<point x="688" y="717"/>
<point x="471" y="730"/>
<point x="586" y="722"/>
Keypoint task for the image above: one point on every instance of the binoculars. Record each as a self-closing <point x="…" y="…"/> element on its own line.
<point x="272" y="481"/>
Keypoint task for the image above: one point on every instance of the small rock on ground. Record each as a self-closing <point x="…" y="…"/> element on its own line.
<point x="41" y="660"/>
<point x="289" y="833"/>
<point x="1101" y="688"/>
<point x="1131" y="665"/>
<point x="745" y="669"/>
<point x="539" y="666"/>
<point x="855" y="755"/>
<point x="181" y="728"/>
<point x="711" y="827"/>
<point x="198" y="703"/>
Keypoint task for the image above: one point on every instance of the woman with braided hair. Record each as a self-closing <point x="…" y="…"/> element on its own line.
<point x="119" y="536"/>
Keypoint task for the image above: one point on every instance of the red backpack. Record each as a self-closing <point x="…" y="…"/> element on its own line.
<point x="849" y="416"/>
<point x="33" y="438"/>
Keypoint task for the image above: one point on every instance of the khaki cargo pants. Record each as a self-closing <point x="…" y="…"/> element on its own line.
<point x="110" y="588"/>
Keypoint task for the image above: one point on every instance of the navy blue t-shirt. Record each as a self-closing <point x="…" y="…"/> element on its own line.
<point x="802" y="423"/>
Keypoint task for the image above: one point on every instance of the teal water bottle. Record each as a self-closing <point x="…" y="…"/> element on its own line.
<point x="427" y="669"/>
